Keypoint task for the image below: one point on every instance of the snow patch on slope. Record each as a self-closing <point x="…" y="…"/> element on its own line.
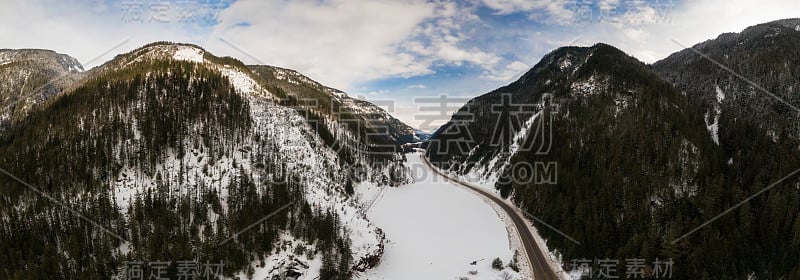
<point x="620" y="103"/>
<point x="185" y="174"/>
<point x="520" y="137"/>
<point x="713" y="127"/>
<point x="187" y="53"/>
<point x="720" y="94"/>
<point x="166" y="51"/>
<point x="564" y="63"/>
<point x="285" y="259"/>
<point x="487" y="175"/>
<point x="241" y="81"/>
<point x="293" y="77"/>
<point x="335" y="92"/>
<point x="587" y="87"/>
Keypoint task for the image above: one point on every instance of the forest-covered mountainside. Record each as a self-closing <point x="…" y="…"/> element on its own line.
<point x="168" y="153"/>
<point x="628" y="158"/>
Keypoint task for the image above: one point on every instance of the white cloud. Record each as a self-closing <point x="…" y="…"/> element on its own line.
<point x="646" y="31"/>
<point x="510" y="6"/>
<point x="346" y="42"/>
<point x="417" y="86"/>
<point x="509" y="72"/>
<point x="448" y="40"/>
<point x="549" y="11"/>
<point x="377" y="93"/>
<point x="338" y="42"/>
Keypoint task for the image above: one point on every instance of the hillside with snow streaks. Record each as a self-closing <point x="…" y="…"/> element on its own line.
<point x="28" y="77"/>
<point x="369" y="122"/>
<point x="278" y="134"/>
<point x="171" y="140"/>
<point x="291" y="142"/>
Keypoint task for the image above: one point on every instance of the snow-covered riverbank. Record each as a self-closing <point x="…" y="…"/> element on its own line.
<point x="435" y="230"/>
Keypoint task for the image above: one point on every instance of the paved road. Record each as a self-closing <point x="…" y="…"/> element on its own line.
<point x="539" y="266"/>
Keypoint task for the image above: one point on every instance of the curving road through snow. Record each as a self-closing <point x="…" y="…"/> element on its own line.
<point x="437" y="230"/>
<point x="536" y="258"/>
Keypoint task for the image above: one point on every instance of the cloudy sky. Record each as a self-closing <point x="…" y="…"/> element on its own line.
<point x="382" y="50"/>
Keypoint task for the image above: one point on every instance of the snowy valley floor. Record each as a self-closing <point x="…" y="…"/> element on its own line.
<point x="435" y="229"/>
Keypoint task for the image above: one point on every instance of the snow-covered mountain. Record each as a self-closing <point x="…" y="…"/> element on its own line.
<point x="30" y="76"/>
<point x="56" y="60"/>
<point x="665" y="161"/>
<point x="486" y="134"/>
<point x="370" y="121"/>
<point x="176" y="150"/>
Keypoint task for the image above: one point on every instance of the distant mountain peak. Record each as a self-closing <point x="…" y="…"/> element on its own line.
<point x="160" y="50"/>
<point x="335" y="102"/>
<point x="569" y="60"/>
<point x="40" y="56"/>
<point x="581" y="69"/>
<point x="28" y="77"/>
